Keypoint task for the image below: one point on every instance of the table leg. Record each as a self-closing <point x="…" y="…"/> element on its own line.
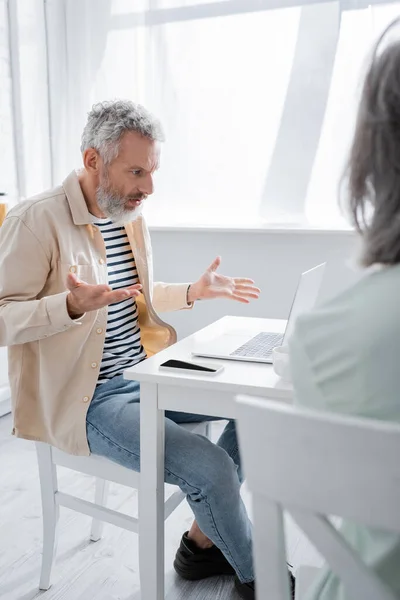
<point x="151" y="495"/>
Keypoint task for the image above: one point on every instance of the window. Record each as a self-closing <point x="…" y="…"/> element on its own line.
<point x="258" y="102"/>
<point x="359" y="30"/>
<point x="221" y="102"/>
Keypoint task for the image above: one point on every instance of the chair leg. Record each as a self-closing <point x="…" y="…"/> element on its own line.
<point x="50" y="510"/>
<point x="101" y="492"/>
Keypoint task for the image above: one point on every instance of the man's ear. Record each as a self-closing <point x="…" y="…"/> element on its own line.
<point x="91" y="161"/>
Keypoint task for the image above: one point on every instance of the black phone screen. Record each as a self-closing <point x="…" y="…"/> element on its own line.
<point x="181" y="364"/>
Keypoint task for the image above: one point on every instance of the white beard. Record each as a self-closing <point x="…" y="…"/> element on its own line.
<point x="112" y="206"/>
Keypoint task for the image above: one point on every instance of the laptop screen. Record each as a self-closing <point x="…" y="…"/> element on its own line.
<point x="305" y="297"/>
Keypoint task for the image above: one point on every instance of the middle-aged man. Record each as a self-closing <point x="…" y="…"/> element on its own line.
<point x="78" y="306"/>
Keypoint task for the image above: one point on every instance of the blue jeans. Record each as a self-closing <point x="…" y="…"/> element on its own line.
<point x="209" y="474"/>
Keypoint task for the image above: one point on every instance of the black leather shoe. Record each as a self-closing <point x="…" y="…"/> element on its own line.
<point x="247" y="592"/>
<point x="192" y="562"/>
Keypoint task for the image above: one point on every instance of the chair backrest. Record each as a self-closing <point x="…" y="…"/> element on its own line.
<point x="312" y="464"/>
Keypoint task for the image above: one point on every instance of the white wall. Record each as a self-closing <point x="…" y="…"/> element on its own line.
<point x="273" y="260"/>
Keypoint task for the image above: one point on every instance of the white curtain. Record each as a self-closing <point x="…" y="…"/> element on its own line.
<point x="89" y="62"/>
<point x="358" y="33"/>
<point x="258" y="105"/>
<point x="8" y="173"/>
<point x="27" y="31"/>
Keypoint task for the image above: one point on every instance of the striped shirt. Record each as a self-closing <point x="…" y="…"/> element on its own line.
<point x="122" y="346"/>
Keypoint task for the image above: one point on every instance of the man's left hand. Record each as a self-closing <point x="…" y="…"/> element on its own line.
<point x="213" y="285"/>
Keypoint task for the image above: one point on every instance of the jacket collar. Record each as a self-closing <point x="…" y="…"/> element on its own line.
<point x="76" y="200"/>
<point x="78" y="206"/>
<point x="81" y="215"/>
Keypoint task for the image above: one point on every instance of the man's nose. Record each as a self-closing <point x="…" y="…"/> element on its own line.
<point x="147" y="185"/>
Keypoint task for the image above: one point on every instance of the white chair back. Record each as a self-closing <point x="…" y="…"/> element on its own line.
<point x="313" y="464"/>
<point x="104" y="471"/>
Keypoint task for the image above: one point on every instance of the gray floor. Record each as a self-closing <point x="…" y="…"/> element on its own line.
<point x="106" y="570"/>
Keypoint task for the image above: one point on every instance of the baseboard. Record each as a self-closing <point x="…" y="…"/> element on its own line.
<point x="5" y="400"/>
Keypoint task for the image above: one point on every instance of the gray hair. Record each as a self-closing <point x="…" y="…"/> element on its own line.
<point x="373" y="173"/>
<point x="108" y="121"/>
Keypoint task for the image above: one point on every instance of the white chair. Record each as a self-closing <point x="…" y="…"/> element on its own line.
<point x="49" y="458"/>
<point x="313" y="464"/>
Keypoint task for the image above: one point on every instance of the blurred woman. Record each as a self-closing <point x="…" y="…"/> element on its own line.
<point x="345" y="355"/>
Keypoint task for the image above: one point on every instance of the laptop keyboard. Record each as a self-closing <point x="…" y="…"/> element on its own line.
<point x="260" y="346"/>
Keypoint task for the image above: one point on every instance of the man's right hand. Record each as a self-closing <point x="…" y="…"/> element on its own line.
<point x="84" y="297"/>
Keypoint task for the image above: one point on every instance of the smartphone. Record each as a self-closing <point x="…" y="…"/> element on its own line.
<point x="181" y="365"/>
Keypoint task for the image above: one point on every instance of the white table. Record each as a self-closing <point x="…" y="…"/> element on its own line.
<point x="191" y="393"/>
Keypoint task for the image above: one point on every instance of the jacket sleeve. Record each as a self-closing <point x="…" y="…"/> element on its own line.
<point x="24" y="269"/>
<point x="168" y="297"/>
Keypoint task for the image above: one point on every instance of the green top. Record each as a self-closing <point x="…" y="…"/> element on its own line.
<point x="344" y="358"/>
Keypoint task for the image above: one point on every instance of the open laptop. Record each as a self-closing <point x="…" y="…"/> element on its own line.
<point x="258" y="348"/>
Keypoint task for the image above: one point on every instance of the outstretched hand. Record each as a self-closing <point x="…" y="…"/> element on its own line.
<point x="84" y="297"/>
<point x="214" y="285"/>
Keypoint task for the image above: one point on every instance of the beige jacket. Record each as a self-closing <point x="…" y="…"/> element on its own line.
<point x="54" y="361"/>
